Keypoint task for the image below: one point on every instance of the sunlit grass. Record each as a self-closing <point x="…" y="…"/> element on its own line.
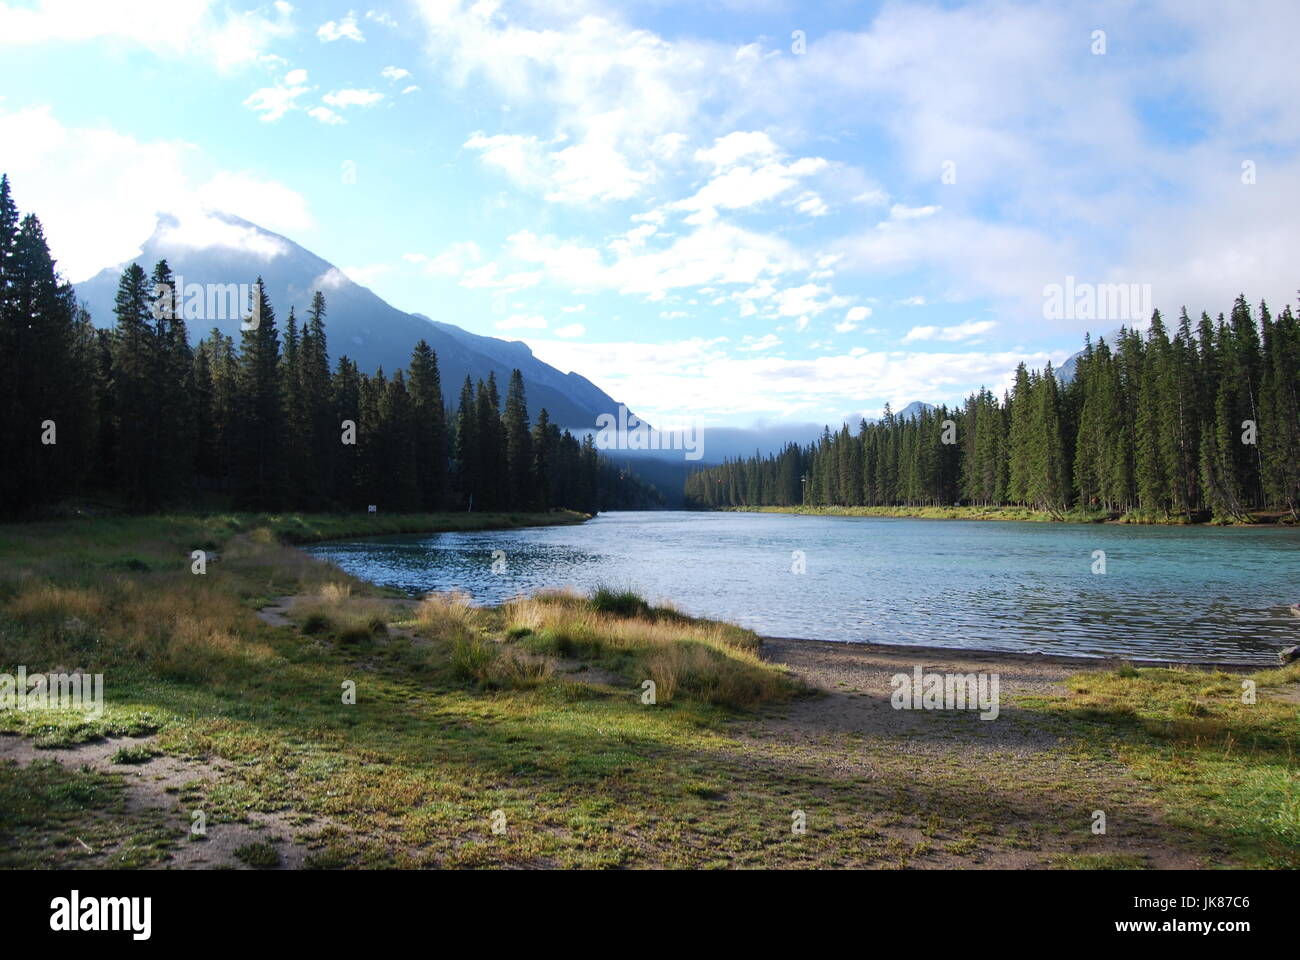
<point x="702" y="659"/>
<point x="1227" y="767"/>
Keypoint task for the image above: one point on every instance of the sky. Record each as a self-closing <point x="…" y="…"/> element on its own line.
<point x="737" y="213"/>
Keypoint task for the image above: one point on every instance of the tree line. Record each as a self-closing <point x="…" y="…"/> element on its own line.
<point x="133" y="412"/>
<point x="1201" y="423"/>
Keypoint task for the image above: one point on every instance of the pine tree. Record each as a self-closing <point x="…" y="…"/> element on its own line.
<point x="546" y="438"/>
<point x="173" y="423"/>
<point x="430" y="426"/>
<point x="1020" y="438"/>
<point x="134" y="350"/>
<point x="518" y="444"/>
<point x="260" y="459"/>
<point x="319" y="413"/>
<point x="468" y="464"/>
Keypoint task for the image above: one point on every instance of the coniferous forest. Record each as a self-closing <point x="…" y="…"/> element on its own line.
<point x="137" y="415"/>
<point x="1191" y="424"/>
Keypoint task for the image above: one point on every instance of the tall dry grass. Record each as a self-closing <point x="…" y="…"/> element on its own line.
<point x="703" y="659"/>
<point x="333" y="609"/>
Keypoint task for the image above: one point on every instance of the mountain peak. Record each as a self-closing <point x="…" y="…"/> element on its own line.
<point x="221" y="249"/>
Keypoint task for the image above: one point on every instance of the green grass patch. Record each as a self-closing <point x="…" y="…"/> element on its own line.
<point x="1225" y="768"/>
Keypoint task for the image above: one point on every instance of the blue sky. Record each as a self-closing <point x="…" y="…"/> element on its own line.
<point x="740" y="212"/>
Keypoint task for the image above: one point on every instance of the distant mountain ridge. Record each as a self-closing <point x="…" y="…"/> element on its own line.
<point x="914" y="410"/>
<point x="358" y="323"/>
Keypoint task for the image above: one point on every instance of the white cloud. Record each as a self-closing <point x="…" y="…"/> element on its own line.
<point x="579" y="173"/>
<point x="857" y="314"/>
<point x="872" y="198"/>
<point x="343" y="29"/>
<point x="267" y="202"/>
<point x="765" y="342"/>
<point x="702" y="377"/>
<point x="902" y="212"/>
<point x="367" y="274"/>
<point x="166" y="28"/>
<point x="952" y="334"/>
<point x="571" y="330"/>
<point x="739" y="145"/>
<point x="325" y="115"/>
<point x="393" y="74"/>
<point x="984" y="85"/>
<point x="352" y="98"/>
<point x="91" y="229"/>
<point x="804" y="300"/>
<point x="275" y="101"/>
<point x="811" y="204"/>
<point x="712" y="253"/>
<point x="485" y="277"/>
<point x="744" y="187"/>
<point x="452" y="262"/>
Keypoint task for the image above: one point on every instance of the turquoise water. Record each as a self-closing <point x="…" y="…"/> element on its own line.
<point x="1168" y="593"/>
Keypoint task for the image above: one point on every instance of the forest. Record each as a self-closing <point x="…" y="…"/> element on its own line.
<point x="134" y="415"/>
<point x="1197" y="424"/>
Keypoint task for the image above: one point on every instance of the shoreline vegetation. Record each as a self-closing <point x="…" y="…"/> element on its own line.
<point x="1026" y="514"/>
<point x="1194" y="419"/>
<point x="520" y="735"/>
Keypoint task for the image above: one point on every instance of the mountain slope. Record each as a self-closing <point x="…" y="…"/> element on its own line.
<point x="226" y="249"/>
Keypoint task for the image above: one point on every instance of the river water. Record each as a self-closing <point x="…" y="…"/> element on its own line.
<point x="1169" y="593"/>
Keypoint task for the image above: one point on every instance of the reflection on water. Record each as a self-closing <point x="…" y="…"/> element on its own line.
<point x="1169" y="592"/>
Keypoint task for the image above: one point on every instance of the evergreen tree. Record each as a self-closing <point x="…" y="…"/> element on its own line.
<point x="259" y="462"/>
<point x="430" y="427"/>
<point x="518" y="443"/>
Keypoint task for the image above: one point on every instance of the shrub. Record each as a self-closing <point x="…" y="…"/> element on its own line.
<point x="622" y="603"/>
<point x="315" y="623"/>
<point x="260" y="855"/>
<point x="471" y="658"/>
<point x="354" y="633"/>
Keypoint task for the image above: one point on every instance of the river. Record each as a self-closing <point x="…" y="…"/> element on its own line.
<point x="1168" y="593"/>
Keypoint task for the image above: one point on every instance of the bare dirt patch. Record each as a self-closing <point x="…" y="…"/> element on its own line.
<point x="1012" y="787"/>
<point x="155" y="790"/>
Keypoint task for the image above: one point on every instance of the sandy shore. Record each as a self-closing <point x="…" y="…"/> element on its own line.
<point x="1020" y="771"/>
<point x="835" y="655"/>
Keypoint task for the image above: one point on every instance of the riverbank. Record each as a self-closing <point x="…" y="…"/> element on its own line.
<point x="521" y="735"/>
<point x="1010" y="513"/>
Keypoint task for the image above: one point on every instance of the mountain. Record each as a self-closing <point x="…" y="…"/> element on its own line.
<point x="1067" y="371"/>
<point x="224" y="249"/>
<point x="913" y="410"/>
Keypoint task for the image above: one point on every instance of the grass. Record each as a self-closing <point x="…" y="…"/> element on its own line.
<point x="459" y="711"/>
<point x="703" y="660"/>
<point x="1073" y="515"/>
<point x="133" y="755"/>
<point x="258" y="855"/>
<point x="390" y="732"/>
<point x="1225" y="768"/>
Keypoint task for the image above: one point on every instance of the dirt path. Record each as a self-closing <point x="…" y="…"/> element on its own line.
<point x="1015" y="776"/>
<point x="164" y="792"/>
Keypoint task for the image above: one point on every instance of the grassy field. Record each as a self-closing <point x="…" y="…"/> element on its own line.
<point x="1074" y="515"/>
<point x="525" y="734"/>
